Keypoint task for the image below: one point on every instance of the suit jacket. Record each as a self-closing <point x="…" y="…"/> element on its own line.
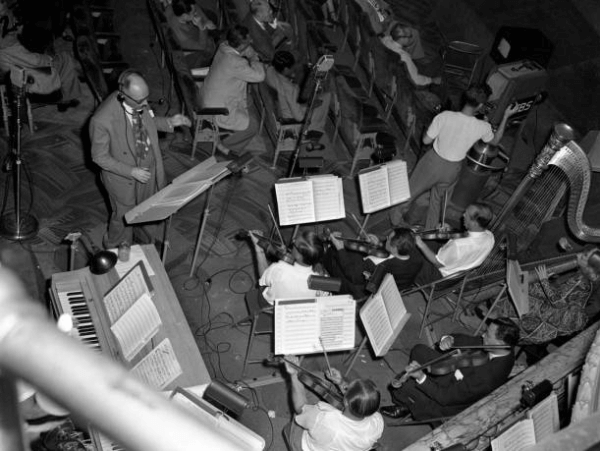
<point x="226" y="86"/>
<point x="262" y="40"/>
<point x="445" y="395"/>
<point x="113" y="147"/>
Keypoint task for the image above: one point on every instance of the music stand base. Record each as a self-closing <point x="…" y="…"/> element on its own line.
<point x="25" y="230"/>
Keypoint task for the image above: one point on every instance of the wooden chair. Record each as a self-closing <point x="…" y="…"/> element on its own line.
<point x="371" y="124"/>
<point x="261" y="323"/>
<point x="460" y="62"/>
<point x="206" y="128"/>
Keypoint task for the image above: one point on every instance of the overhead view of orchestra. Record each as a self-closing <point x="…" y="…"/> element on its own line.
<point x="402" y="252"/>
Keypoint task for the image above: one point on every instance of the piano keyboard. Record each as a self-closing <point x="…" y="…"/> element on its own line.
<point x="72" y="301"/>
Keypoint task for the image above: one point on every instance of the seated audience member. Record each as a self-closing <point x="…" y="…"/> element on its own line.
<point x="452" y="134"/>
<point x="46" y="70"/>
<point x="190" y="28"/>
<point x="404" y="262"/>
<point x="556" y="308"/>
<point x="426" y="396"/>
<point x="459" y="254"/>
<point x="267" y="33"/>
<point x="234" y="66"/>
<point x="284" y="280"/>
<point x="321" y="426"/>
<point x="400" y="40"/>
<point x="279" y="76"/>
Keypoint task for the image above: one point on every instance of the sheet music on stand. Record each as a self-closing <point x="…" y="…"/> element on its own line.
<point x="306" y="326"/>
<point x="384" y="315"/>
<point x="182" y="190"/>
<point x="383" y="186"/>
<point x="302" y="200"/>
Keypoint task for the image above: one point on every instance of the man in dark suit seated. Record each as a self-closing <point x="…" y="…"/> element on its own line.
<point x="404" y="262"/>
<point x="190" y="28"/>
<point x="268" y="34"/>
<point x="426" y="397"/>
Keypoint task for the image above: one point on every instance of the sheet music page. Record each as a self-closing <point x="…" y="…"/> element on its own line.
<point x="398" y="180"/>
<point x="338" y="318"/>
<point x="518" y="437"/>
<point x="136" y="254"/>
<point x="296" y="326"/>
<point x="295" y="202"/>
<point x="374" y="189"/>
<point x="392" y="299"/>
<point x="328" y="197"/>
<point x="137" y="326"/>
<point x="160" y="367"/>
<point x="377" y="323"/>
<point x="545" y="417"/>
<point x="128" y="290"/>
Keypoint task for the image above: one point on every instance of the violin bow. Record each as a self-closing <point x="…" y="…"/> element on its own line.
<point x="325" y="353"/>
<point x="275" y="223"/>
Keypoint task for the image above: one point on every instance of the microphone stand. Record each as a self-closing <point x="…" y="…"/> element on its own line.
<point x="18" y="226"/>
<point x="321" y="69"/>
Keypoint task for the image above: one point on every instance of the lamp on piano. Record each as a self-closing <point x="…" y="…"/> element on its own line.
<point x="101" y="261"/>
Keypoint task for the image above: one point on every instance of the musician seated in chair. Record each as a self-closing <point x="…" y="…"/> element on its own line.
<point x="459" y="254"/>
<point x="458" y="383"/>
<point x="280" y="77"/>
<point x="283" y="280"/>
<point x="323" y="427"/>
<point x="557" y="308"/>
<point x="403" y="262"/>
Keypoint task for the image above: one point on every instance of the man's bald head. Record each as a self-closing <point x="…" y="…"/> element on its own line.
<point x="135" y="89"/>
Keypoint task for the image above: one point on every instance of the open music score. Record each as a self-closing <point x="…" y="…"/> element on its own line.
<point x="302" y="200"/>
<point x="384" y="315"/>
<point x="306" y="326"/>
<point x="127" y="290"/>
<point x="383" y="186"/>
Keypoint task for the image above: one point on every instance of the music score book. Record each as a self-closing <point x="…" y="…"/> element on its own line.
<point x="383" y="186"/>
<point x="306" y="326"/>
<point x="384" y="315"/>
<point x="127" y="291"/>
<point x="541" y="422"/>
<point x="302" y="200"/>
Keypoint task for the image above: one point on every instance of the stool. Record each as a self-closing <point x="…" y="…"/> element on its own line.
<point x="206" y="128"/>
<point x="286" y="130"/>
<point x="6" y="113"/>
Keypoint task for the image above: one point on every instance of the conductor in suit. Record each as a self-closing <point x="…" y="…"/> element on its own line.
<point x="124" y="136"/>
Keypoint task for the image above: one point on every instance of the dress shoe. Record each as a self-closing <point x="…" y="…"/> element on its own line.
<point x="395" y="411"/>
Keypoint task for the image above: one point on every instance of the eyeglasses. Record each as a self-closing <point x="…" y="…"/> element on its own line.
<point x="143" y="101"/>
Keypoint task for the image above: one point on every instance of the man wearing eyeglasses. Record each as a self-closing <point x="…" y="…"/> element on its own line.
<point x="124" y="136"/>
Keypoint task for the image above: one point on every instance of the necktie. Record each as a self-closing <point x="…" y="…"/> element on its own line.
<point x="142" y="140"/>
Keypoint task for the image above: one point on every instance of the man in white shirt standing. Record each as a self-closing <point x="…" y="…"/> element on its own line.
<point x="452" y="134"/>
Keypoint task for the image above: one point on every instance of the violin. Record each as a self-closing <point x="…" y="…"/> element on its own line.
<point x="361" y="246"/>
<point x="273" y="250"/>
<point x="441" y="234"/>
<point x="323" y="388"/>
<point x="451" y="361"/>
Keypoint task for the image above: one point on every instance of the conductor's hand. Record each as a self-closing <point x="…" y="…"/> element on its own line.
<point x="141" y="175"/>
<point x="411" y="367"/>
<point x="446" y="342"/>
<point x="179" y="119"/>
<point x="334" y="376"/>
<point x="291" y="369"/>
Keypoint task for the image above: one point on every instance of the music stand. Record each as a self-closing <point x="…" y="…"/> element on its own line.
<point x="18" y="225"/>
<point x="185" y="188"/>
